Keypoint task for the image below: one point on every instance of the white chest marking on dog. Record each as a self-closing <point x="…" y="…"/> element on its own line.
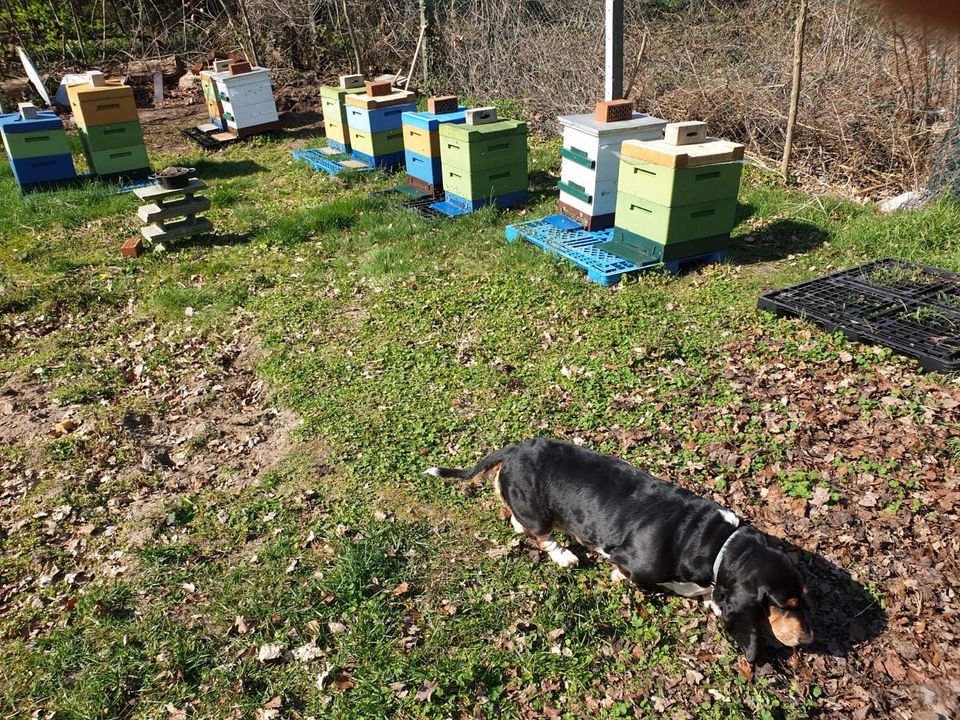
<point x="602" y="554"/>
<point x="687" y="589"/>
<point x="516" y="525"/>
<point x="729" y="517"/>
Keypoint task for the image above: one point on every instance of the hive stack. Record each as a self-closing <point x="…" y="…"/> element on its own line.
<point x="36" y="145"/>
<point x="246" y="95"/>
<point x="335" y="111"/>
<point x="676" y="197"/>
<point x="483" y="161"/>
<point x="106" y="116"/>
<point x="421" y="142"/>
<point x="589" y="165"/>
<point x="211" y="96"/>
<point x="375" y="119"/>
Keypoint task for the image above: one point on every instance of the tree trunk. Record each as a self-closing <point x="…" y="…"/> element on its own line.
<point x="795" y="90"/>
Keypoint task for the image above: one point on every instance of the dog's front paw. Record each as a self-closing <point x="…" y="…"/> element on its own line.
<point x="564" y="558"/>
<point x="617" y="576"/>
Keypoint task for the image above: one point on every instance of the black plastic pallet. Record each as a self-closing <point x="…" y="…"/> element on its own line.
<point x="419" y="204"/>
<point x="205" y="140"/>
<point x="911" y="308"/>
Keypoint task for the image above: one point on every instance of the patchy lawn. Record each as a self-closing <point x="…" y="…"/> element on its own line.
<point x="211" y="490"/>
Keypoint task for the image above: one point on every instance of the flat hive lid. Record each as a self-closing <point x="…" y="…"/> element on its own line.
<point x="45" y="120"/>
<point x="475" y="133"/>
<point x="335" y="91"/>
<point x="256" y="74"/>
<point x="589" y="124"/>
<point x="659" y="152"/>
<point x="370" y="102"/>
<point x="85" y="92"/>
<point x="430" y="121"/>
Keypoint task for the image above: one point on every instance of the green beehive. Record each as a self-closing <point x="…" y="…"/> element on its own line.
<point x="641" y="250"/>
<point x="40" y="143"/>
<point x="376" y="144"/>
<point x="663" y="224"/>
<point x="678" y="186"/>
<point x="118" y="160"/>
<point x="335" y="110"/>
<point x="484" y="184"/>
<point x="111" y="137"/>
<point x="472" y="148"/>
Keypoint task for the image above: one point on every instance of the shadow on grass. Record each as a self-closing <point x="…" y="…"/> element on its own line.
<point x="843" y="613"/>
<point x="295" y="120"/>
<point x="776" y="241"/>
<point x="222" y="169"/>
<point x="210" y="240"/>
<point x="542" y="186"/>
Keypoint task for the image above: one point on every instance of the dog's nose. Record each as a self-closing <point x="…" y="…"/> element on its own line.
<point x="806" y="637"/>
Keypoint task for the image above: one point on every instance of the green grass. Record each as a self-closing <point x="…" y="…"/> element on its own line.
<point x="400" y="344"/>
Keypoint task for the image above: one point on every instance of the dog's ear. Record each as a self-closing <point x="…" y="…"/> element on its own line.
<point x="743" y="618"/>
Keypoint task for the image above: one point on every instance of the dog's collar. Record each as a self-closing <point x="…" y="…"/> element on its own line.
<point x="723" y="551"/>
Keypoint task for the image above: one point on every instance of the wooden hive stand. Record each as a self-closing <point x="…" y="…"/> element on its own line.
<point x="164" y="207"/>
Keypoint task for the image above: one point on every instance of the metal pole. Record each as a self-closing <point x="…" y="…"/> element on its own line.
<point x="613" y="80"/>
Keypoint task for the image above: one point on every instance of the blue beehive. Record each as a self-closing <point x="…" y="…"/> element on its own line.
<point x="37" y="147"/>
<point x="421" y="144"/>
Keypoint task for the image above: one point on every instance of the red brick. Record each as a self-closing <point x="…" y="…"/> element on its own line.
<point x="133" y="247"/>
<point x="613" y="110"/>
<point x="379" y="89"/>
<point x="442" y="104"/>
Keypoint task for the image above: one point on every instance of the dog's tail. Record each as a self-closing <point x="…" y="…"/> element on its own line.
<point x="467" y="473"/>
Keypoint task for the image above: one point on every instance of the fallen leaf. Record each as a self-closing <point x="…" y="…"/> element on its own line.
<point x="323" y="676"/>
<point x="174" y="713"/>
<point x="336" y="627"/>
<point x="270" y="652"/>
<point x="240" y="625"/>
<point x="426" y="690"/>
<point x="342" y="682"/>
<point x="400" y="589"/>
<point x="306" y="653"/>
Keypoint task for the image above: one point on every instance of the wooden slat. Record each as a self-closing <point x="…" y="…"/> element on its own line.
<point x="182" y="228"/>
<point x="157" y="192"/>
<point x="175" y="208"/>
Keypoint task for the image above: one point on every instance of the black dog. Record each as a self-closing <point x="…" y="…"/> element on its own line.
<point x="654" y="533"/>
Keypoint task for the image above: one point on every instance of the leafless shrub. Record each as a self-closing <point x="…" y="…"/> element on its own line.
<point x="878" y="94"/>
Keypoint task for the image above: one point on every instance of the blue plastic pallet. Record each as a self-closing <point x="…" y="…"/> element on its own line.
<point x="338" y="146"/>
<point x="454" y="205"/>
<point x="389" y="161"/>
<point x="561" y="236"/>
<point x="325" y="163"/>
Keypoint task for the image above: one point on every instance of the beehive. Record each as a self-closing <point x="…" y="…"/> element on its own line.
<point x="375" y="126"/>
<point x="247" y="101"/>
<point x="589" y="164"/>
<point x="677" y="201"/>
<point x="37" y="148"/>
<point x="212" y="98"/>
<point x="109" y="129"/>
<point x="421" y="145"/>
<point x="480" y="163"/>
<point x="335" y="115"/>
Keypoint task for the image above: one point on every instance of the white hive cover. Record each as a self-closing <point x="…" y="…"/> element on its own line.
<point x="34" y="76"/>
